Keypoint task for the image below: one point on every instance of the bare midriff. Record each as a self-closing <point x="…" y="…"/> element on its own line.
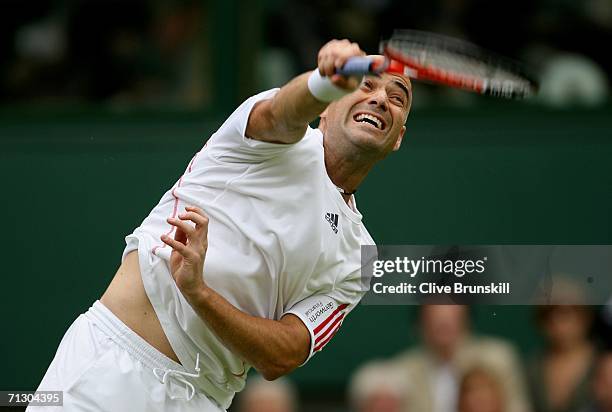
<point x="127" y="299"/>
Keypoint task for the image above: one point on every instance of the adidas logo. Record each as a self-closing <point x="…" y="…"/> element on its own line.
<point x="332" y="218"/>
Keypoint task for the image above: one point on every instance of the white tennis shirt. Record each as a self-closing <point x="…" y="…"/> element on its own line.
<point x="281" y="239"/>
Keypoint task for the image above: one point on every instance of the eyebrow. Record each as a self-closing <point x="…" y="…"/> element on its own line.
<point x="400" y="84"/>
<point x="403" y="87"/>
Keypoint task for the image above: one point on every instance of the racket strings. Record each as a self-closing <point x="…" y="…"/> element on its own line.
<point x="458" y="58"/>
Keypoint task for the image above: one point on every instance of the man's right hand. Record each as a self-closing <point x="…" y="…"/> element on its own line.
<point x="333" y="56"/>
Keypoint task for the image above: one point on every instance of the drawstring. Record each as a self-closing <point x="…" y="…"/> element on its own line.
<point x="179" y="376"/>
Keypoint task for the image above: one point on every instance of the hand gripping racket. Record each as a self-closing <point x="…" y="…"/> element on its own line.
<point x="447" y="61"/>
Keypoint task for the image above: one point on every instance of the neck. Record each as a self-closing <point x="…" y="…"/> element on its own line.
<point x="346" y="165"/>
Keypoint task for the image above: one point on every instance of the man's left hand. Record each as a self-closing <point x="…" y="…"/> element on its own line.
<point x="188" y="250"/>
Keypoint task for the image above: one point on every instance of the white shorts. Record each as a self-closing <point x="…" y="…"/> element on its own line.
<point x="102" y="365"/>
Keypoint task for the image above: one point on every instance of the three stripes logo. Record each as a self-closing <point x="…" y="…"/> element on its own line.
<point x="328" y="328"/>
<point x="332" y="218"/>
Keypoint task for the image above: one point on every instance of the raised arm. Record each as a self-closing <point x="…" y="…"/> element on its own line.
<point x="285" y="117"/>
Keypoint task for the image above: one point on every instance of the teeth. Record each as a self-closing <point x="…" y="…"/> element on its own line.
<point x="362" y="117"/>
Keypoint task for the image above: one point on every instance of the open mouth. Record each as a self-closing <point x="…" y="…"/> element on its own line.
<point x="368" y="118"/>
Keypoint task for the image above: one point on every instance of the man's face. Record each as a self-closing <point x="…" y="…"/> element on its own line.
<point x="373" y="116"/>
<point x="443" y="327"/>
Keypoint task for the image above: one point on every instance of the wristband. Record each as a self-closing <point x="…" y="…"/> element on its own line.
<point x="323" y="89"/>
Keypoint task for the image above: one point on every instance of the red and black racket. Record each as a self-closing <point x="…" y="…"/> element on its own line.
<point x="447" y="61"/>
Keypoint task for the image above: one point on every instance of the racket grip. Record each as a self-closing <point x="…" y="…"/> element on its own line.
<point x="356" y="66"/>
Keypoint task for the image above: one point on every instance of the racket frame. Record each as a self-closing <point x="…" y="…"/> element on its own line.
<point x="401" y="63"/>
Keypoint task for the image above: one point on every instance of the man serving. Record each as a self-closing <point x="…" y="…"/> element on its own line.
<point x="252" y="258"/>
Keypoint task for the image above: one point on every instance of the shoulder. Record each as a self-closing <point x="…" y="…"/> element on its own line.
<point x="410" y="358"/>
<point x="231" y="142"/>
<point x="238" y="119"/>
<point x="491" y="344"/>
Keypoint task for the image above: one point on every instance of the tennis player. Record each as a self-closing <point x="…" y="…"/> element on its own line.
<point x="251" y="259"/>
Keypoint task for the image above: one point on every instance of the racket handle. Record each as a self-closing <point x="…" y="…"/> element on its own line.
<point x="356" y="66"/>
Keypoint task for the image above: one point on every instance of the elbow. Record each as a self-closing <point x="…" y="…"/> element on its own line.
<point x="271" y="375"/>
<point x="289" y="351"/>
<point x="273" y="371"/>
<point x="287" y="131"/>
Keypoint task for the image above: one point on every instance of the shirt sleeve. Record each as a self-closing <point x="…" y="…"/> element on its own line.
<point x="322" y="315"/>
<point x="230" y="143"/>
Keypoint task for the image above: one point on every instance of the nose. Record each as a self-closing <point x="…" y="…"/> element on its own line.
<point x="379" y="99"/>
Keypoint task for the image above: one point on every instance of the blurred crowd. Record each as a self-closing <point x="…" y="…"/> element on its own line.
<point x="148" y="52"/>
<point x="151" y="52"/>
<point x="135" y="52"/>
<point x="559" y="40"/>
<point x="453" y="369"/>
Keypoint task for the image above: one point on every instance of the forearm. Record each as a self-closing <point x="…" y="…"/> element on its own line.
<point x="272" y="347"/>
<point x="285" y="117"/>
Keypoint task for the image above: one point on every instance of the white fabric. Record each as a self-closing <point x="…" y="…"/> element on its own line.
<point x="279" y="233"/>
<point x="102" y="365"/>
<point x="446" y="388"/>
<point x="323" y="89"/>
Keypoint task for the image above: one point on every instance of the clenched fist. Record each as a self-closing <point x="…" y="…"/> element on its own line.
<point x="332" y="56"/>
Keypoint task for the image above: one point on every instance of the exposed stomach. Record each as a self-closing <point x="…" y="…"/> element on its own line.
<point x="127" y="299"/>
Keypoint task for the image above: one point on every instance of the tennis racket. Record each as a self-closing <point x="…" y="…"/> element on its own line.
<point x="447" y="61"/>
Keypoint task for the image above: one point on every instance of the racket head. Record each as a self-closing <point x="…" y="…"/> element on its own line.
<point x="456" y="63"/>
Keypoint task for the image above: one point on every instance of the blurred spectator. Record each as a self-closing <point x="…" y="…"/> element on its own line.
<point x="143" y="52"/>
<point x="260" y="395"/>
<point x="560" y="376"/>
<point x="590" y="22"/>
<point x="481" y="391"/>
<point x="573" y="80"/>
<point x="602" y="385"/>
<point x="106" y="39"/>
<point x="378" y="387"/>
<point x="449" y="349"/>
<point x="604" y="325"/>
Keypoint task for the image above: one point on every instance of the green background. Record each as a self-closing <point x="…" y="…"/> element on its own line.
<point x="74" y="183"/>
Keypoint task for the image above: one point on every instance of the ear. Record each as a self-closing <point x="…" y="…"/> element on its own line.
<point x="323" y="120"/>
<point x="398" y="142"/>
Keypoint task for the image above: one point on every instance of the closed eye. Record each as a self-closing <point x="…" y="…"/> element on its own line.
<point x="398" y="99"/>
<point x="367" y="84"/>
